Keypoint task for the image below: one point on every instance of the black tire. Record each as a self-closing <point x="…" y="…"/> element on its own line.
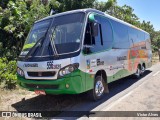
<point x="143" y="70"/>
<point x="100" y="87"/>
<point x="138" y="72"/>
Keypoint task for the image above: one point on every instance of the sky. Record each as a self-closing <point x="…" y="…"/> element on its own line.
<point x="148" y="10"/>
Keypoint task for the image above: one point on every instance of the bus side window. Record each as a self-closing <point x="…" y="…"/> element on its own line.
<point x="92" y="43"/>
<point x="121" y="40"/>
<point x="89" y="40"/>
<point x="148" y="41"/>
<point x="107" y="33"/>
<point x="103" y="40"/>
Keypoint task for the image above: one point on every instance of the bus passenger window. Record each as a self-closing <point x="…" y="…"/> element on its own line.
<point x="89" y="40"/>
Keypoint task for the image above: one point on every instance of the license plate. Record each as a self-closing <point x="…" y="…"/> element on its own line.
<point x="40" y="92"/>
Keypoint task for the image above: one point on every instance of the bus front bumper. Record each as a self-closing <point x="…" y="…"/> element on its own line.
<point x="66" y="85"/>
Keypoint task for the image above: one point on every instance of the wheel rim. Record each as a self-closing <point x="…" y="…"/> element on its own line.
<point x="143" y="69"/>
<point x="137" y="72"/>
<point x="99" y="88"/>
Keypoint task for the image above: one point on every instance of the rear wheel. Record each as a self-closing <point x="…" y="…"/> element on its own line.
<point x="143" y="69"/>
<point x="138" y="72"/>
<point x="99" y="89"/>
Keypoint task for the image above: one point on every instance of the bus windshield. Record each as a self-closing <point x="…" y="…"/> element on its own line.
<point x="61" y="36"/>
<point x="37" y="33"/>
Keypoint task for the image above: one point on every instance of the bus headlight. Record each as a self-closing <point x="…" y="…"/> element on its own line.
<point x="68" y="69"/>
<point x="20" y="72"/>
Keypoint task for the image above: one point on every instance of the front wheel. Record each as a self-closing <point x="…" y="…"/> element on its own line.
<point x="99" y="89"/>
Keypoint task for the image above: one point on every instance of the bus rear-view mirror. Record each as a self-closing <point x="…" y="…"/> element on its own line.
<point x="94" y="29"/>
<point x="94" y="25"/>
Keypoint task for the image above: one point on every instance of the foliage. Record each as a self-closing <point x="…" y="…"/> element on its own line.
<point x="65" y="5"/>
<point x="16" y="21"/>
<point x="7" y="74"/>
<point x="156" y="42"/>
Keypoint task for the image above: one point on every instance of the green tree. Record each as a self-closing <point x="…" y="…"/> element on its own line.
<point x="3" y="3"/>
<point x="108" y="6"/>
<point x="147" y="26"/>
<point x="65" y="5"/>
<point x="16" y="21"/>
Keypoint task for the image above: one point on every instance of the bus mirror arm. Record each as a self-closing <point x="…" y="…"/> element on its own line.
<point x="88" y="46"/>
<point x="86" y="49"/>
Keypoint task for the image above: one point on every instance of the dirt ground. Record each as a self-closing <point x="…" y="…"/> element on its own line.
<point x="8" y="97"/>
<point x="23" y="100"/>
<point x="155" y="59"/>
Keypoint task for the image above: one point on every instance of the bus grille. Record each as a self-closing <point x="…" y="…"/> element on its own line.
<point x="42" y="74"/>
<point x="39" y="86"/>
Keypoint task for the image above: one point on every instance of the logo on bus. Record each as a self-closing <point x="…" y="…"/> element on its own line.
<point x="50" y="65"/>
<point x="30" y="65"/>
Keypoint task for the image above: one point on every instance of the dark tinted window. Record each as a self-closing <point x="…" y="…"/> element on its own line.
<point x="106" y="33"/>
<point x="133" y="35"/>
<point x="97" y="46"/>
<point x="137" y="37"/>
<point x="148" y="41"/>
<point x="66" y="31"/>
<point x="121" y="40"/>
<point x="64" y="36"/>
<point x="37" y="33"/>
<point x="141" y="36"/>
<point x="96" y="43"/>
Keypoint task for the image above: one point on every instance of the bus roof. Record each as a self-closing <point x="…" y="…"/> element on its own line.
<point x="87" y="10"/>
<point x="73" y="11"/>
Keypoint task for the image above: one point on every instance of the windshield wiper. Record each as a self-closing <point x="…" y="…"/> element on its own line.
<point x="39" y="41"/>
<point x="33" y="49"/>
<point x="52" y="38"/>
